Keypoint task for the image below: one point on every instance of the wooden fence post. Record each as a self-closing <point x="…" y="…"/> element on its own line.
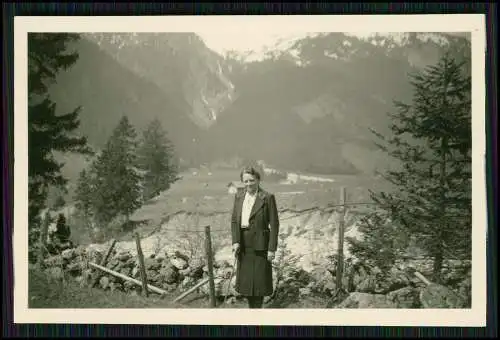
<point x="340" y="233"/>
<point x="104" y="261"/>
<point x="43" y="240"/>
<point x="141" y="264"/>
<point x="208" y="248"/>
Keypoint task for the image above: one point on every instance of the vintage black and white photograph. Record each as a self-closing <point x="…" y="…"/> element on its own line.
<point x="246" y="167"/>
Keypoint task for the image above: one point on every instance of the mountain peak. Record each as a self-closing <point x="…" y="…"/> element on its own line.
<point x="179" y="64"/>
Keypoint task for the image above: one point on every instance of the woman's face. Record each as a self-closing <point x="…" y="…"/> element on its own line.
<point x="251" y="183"/>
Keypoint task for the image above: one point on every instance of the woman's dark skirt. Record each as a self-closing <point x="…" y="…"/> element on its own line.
<point x="254" y="275"/>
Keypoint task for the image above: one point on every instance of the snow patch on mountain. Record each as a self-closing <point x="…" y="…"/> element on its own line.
<point x="282" y="43"/>
<point x="393" y="39"/>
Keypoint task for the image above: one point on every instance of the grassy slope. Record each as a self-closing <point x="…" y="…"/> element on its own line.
<point x="45" y="294"/>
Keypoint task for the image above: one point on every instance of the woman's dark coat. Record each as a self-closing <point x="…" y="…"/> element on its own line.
<point x="254" y="276"/>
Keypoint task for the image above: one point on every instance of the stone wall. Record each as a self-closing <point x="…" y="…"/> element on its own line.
<point x="175" y="273"/>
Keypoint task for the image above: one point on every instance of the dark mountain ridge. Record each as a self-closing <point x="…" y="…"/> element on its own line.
<point x="308" y="107"/>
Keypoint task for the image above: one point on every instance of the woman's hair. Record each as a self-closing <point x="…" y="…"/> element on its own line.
<point x="251" y="171"/>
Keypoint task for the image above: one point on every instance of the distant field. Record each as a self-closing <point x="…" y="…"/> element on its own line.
<point x="206" y="193"/>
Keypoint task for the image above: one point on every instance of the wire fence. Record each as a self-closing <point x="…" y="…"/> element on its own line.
<point x="299" y="213"/>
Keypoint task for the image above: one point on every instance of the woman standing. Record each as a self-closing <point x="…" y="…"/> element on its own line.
<point x="254" y="229"/>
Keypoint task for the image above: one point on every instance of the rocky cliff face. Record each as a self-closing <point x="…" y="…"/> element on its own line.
<point x="178" y="63"/>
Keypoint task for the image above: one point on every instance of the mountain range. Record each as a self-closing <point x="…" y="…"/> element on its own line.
<point x="305" y="104"/>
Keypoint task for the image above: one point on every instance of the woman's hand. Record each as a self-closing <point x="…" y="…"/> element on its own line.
<point x="270" y="255"/>
<point x="236" y="248"/>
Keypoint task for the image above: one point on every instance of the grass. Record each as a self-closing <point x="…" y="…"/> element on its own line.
<point x="51" y="295"/>
<point x="46" y="294"/>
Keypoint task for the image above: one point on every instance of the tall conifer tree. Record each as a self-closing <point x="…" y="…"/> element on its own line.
<point x="48" y="130"/>
<point x="117" y="178"/>
<point x="431" y="139"/>
<point x="156" y="159"/>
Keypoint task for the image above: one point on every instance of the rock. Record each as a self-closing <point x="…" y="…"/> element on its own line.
<point x="68" y="254"/>
<point x="365" y="300"/>
<point x="126" y="271"/>
<point x="225" y="272"/>
<point x="464" y="290"/>
<point x="337" y="297"/>
<point x="359" y="275"/>
<point x="179" y="263"/>
<point x="231" y="300"/>
<point x="452" y="276"/>
<point x="196" y="273"/>
<point x="131" y="263"/>
<point x="407" y="297"/>
<point x="368" y="285"/>
<point x="66" y="246"/>
<point x="127" y="285"/>
<point x="393" y="281"/>
<point x="302" y="277"/>
<point x="187" y="283"/>
<point x="160" y="258"/>
<point x="168" y="275"/>
<point x="437" y="296"/>
<point x="135" y="272"/>
<point x="113" y="264"/>
<point x="221" y="287"/>
<point x="169" y="287"/>
<point x="74" y="268"/>
<point x="185" y="272"/>
<point x="196" y="263"/>
<point x="153" y="275"/>
<point x="222" y="264"/>
<point x="80" y="280"/>
<point x="180" y="255"/>
<point x="104" y="282"/>
<point x="151" y="264"/>
<point x="305" y="291"/>
<point x="329" y="288"/>
<point x="124" y="256"/>
<point x="119" y="266"/>
<point x="95" y="255"/>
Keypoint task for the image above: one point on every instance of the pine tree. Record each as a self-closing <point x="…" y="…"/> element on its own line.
<point x="48" y="130"/>
<point x="431" y="138"/>
<point x="117" y="180"/>
<point x="83" y="193"/>
<point x="156" y="159"/>
<point x="63" y="231"/>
